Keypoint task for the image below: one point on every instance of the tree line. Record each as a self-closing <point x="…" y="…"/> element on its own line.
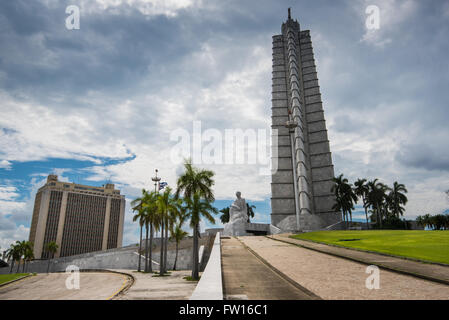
<point x="166" y="213"/>
<point x="22" y="251"/>
<point x="384" y="204"/>
<point x="435" y="222"/>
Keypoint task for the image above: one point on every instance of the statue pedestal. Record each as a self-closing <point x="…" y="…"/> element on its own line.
<point x="237" y="222"/>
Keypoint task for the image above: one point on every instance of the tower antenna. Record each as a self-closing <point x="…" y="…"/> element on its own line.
<point x="289" y="13"/>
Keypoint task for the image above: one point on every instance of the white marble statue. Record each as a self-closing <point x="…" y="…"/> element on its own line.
<point x="238" y="218"/>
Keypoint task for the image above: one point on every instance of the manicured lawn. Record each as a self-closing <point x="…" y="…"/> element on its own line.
<point x="8" y="277"/>
<point x="424" y="245"/>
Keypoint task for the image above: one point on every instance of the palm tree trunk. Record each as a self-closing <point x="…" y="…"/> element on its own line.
<point x="379" y="220"/>
<point x="150" y="258"/>
<point x="176" y="257"/>
<point x="166" y="247"/>
<point x="146" y="247"/>
<point x="140" y="248"/>
<point x="18" y="266"/>
<point x="380" y="216"/>
<point x="12" y="265"/>
<point x="347" y="221"/>
<point x="23" y="266"/>
<point x="366" y="215"/>
<point x="195" y="273"/>
<point x="161" y="262"/>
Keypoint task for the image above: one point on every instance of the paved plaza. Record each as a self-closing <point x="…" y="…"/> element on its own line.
<point x="52" y="286"/>
<point x="332" y="277"/>
<point x="430" y="271"/>
<point x="246" y="277"/>
<point x="147" y="287"/>
<point x="254" y="268"/>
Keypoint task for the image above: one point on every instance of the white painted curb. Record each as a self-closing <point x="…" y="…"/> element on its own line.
<point x="210" y="285"/>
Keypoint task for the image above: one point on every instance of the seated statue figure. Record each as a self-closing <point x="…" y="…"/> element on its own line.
<point x="237" y="218"/>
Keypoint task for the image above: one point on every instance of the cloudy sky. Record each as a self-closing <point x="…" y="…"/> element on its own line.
<point x="100" y="103"/>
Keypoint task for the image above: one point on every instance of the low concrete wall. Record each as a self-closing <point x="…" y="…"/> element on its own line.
<point x="340" y="225"/>
<point x="210" y="286"/>
<point x="275" y="230"/>
<point x="257" y="228"/>
<point x="122" y="258"/>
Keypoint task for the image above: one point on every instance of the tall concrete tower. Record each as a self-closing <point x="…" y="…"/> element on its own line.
<point x="301" y="187"/>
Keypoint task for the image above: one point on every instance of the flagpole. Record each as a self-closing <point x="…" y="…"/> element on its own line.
<point x="156" y="180"/>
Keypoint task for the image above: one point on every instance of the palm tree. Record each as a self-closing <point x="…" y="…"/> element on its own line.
<point x="12" y="255"/>
<point x="168" y="211"/>
<point x="51" y="248"/>
<point x="336" y="188"/>
<point x="345" y="197"/>
<point x="20" y="247"/>
<point x="338" y="207"/>
<point x="137" y="205"/>
<point x="177" y="211"/>
<point x="225" y="216"/>
<point x="28" y="255"/>
<point x="194" y="180"/>
<point x="361" y="189"/>
<point x="196" y="184"/>
<point x="177" y="234"/>
<point x="425" y="221"/>
<point x="397" y="198"/>
<point x="250" y="211"/>
<point x="198" y="207"/>
<point x="149" y="204"/>
<point x="27" y="251"/>
<point x="376" y="199"/>
<point x="420" y="221"/>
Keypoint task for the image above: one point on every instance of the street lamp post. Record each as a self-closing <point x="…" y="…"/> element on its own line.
<point x="156" y="180"/>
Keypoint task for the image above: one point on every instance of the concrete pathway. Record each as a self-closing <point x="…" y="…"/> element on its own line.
<point x="147" y="287"/>
<point x="426" y="271"/>
<point x="93" y="286"/>
<point x="332" y="277"/>
<point x="247" y="277"/>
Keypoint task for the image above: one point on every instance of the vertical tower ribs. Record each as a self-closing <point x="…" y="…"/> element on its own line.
<point x="301" y="188"/>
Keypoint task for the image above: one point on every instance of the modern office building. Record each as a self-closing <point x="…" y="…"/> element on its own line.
<point x="301" y="187"/>
<point x="78" y="218"/>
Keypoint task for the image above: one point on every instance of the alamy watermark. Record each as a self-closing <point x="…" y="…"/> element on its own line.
<point x="228" y="146"/>
<point x="373" y="280"/>
<point x="372" y="22"/>
<point x="72" y="22"/>
<point x="73" y="280"/>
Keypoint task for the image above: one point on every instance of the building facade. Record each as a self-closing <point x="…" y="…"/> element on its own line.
<point x="301" y="186"/>
<point x="78" y="218"/>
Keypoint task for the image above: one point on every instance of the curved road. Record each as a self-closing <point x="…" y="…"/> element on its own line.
<point x="93" y="286"/>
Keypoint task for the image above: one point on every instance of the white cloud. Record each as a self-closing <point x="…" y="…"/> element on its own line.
<point x="10" y="236"/>
<point x="394" y="14"/>
<point x="8" y="192"/>
<point x="5" y="164"/>
<point x="168" y="8"/>
<point x="46" y="133"/>
<point x="239" y="98"/>
<point x="225" y="83"/>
